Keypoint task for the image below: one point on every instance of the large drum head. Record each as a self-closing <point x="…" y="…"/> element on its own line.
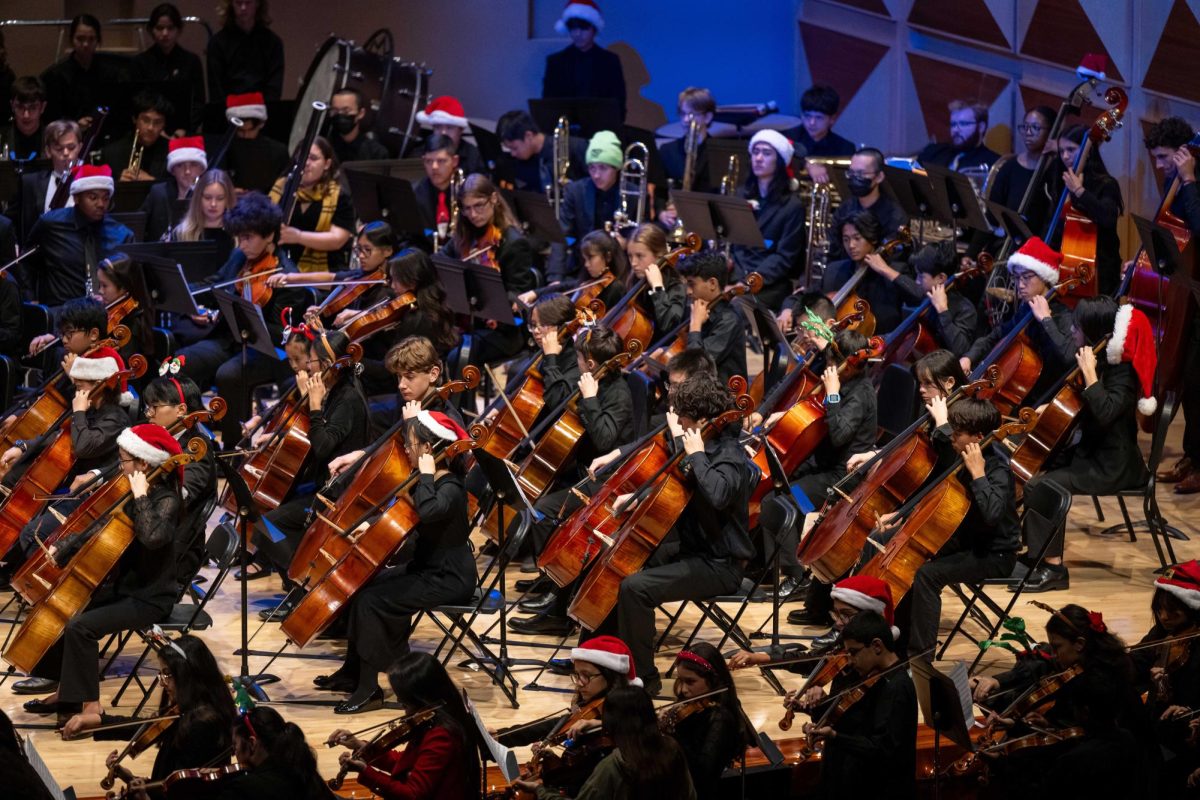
<point x="326" y="73"/>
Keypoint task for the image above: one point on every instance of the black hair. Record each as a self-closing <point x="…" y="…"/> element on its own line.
<point x="84" y="19"/>
<point x="121" y="270"/>
<point x="200" y="688"/>
<point x="514" y="125"/>
<point x="700" y="396"/>
<point x="819" y="304"/>
<point x="779" y="187"/>
<point x="1172" y="132"/>
<point x="692" y="361"/>
<point x="28" y="89"/>
<point x="438" y="141"/>
<point x="83" y="314"/>
<point x="867" y="225"/>
<point x="874" y="153"/>
<point x="709" y="264"/>
<point x="867" y="626"/>
<point x="286" y="748"/>
<point x="719" y="677"/>
<point x="848" y="343"/>
<point x="254" y="213"/>
<point x="609" y="248"/>
<point x="1045" y="112"/>
<point x="330" y="347"/>
<point x="654" y="762"/>
<point x="152" y="101"/>
<point x="973" y="416"/>
<point x="1101" y="648"/>
<point x="1095" y="317"/>
<point x="599" y="344"/>
<point x="820" y="98"/>
<point x="576" y="22"/>
<point x="420" y="681"/>
<point x="937" y="366"/>
<point x="164" y="10"/>
<point x="1098" y="697"/>
<point x="1095" y="161"/>
<point x="415" y="429"/>
<point x="554" y="309"/>
<point x="937" y="258"/>
<point x="359" y="100"/>
<point x="164" y="392"/>
<point x="414" y="268"/>
<point x="1162" y="600"/>
<point x="379" y="234"/>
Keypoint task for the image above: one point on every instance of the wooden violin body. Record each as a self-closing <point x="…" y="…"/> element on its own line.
<point x="379" y="317"/>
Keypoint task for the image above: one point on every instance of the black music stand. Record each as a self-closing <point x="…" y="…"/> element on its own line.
<point x="130" y="196"/>
<point x="482" y="294"/>
<point x="195" y="258"/>
<point x="166" y="286"/>
<point x="245" y="321"/>
<point x="961" y="197"/>
<point x="1159" y="244"/>
<point x="939" y="698"/>
<point x="538" y="215"/>
<point x="717" y="153"/>
<point x="1014" y="224"/>
<point x="12" y="187"/>
<point x="134" y="220"/>
<point x="489" y="145"/>
<point x="728" y="219"/>
<point x="920" y="197"/>
<point x="378" y="195"/>
<point x="775" y="344"/>
<point x="585" y="115"/>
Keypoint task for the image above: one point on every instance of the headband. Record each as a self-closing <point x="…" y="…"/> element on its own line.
<point x="160" y="639"/>
<point x="692" y="658"/>
<point x="169" y="369"/>
<point x="285" y="316"/>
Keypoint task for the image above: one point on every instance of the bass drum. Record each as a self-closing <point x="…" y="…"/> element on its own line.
<point x="393" y="90"/>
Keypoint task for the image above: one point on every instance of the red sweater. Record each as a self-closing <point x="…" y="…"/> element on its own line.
<point x="432" y="765"/>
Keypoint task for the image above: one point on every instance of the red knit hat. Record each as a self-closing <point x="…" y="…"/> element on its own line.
<point x="586" y="10"/>
<point x="867" y="594"/>
<point x="1039" y="258"/>
<point x="444" y="110"/>
<point x="608" y="652"/>
<point x="88" y="177"/>
<point x="1132" y="340"/>
<point x="151" y="443"/>
<point x="187" y="149"/>
<point x="250" y="105"/>
<point x="100" y="365"/>
<point x="1183" y="581"/>
<point x="441" y="425"/>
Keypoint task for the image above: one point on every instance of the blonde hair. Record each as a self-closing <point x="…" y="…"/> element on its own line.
<point x="700" y="99"/>
<point x="478" y="185"/>
<point x="412" y="354"/>
<point x="652" y="236"/>
<point x="191" y="227"/>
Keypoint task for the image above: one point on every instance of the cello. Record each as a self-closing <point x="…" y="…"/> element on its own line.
<point x="676" y="341"/>
<point x="87" y="570"/>
<point x="626" y="317"/>
<point x="846" y="299"/>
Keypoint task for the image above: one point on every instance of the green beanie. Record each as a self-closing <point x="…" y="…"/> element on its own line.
<point x="605" y="148"/>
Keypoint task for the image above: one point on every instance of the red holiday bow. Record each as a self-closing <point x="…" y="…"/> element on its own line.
<point x="1096" y="622"/>
<point x="285" y="316"/>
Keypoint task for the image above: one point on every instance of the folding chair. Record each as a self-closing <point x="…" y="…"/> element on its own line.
<point x="1051" y="503"/>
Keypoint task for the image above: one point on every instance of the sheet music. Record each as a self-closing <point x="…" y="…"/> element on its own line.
<point x="502" y="755"/>
<point x="39" y="766"/>
<point x="958" y="674"/>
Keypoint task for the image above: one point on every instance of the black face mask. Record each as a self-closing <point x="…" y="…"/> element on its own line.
<point x="860" y="187"/>
<point x="342" y="124"/>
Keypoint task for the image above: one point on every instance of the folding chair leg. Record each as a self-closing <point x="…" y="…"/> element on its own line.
<point x="1099" y="510"/>
<point x="1125" y="516"/>
<point x="130" y="677"/>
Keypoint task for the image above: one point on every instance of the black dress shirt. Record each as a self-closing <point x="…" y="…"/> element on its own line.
<point x="59" y="270"/>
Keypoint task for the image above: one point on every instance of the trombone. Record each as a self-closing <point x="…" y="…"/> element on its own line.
<point x="562" y="165"/>
<point x="632" y="183"/>
<point x="729" y="179"/>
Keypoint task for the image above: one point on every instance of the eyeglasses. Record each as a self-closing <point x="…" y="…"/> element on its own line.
<point x="1030" y="128"/>
<point x="581" y="680"/>
<point x="477" y="208"/>
<point x="164" y="675"/>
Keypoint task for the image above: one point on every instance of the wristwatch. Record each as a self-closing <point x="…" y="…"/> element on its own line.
<point x="830" y="399"/>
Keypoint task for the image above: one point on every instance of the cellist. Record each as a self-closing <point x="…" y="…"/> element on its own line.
<point x="142" y="589"/>
<point x="664" y="299"/>
<point x="713" y="323"/>
<point x="861" y="235"/>
<point x="954" y="321"/>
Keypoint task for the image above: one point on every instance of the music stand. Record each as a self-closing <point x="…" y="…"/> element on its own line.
<point x="134" y="220"/>
<point x="730" y="219"/>
<point x="489" y="145"/>
<point x="452" y="276"/>
<point x="1159" y="244"/>
<point x="775" y="344"/>
<point x="245" y="321"/>
<point x="10" y="178"/>
<point x="130" y="196"/>
<point x="585" y="115"/>
<point x="941" y="704"/>
<point x="538" y="215"/>
<point x="961" y="197"/>
<point x="486" y="297"/>
<point x="195" y="258"/>
<point x="1014" y="224"/>
<point x="717" y="153"/>
<point x="920" y="197"/>
<point x="166" y="286"/>
<point x="692" y="208"/>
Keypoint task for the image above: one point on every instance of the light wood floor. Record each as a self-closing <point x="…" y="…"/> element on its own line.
<point x="1107" y="574"/>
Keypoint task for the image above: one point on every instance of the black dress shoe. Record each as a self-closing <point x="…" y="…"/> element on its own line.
<point x="1046" y="578"/>
<point x="277" y="614"/>
<point x="41" y="707"/>
<point x="35" y="686"/>
<point x="542" y="623"/>
<point x="560" y="666"/>
<point x="538" y="602"/>
<point x="534" y="585"/>
<point x="335" y="683"/>
<point x="802" y="616"/>
<point x="373" y="702"/>
<point x="254" y="572"/>
<point x="825" y="640"/>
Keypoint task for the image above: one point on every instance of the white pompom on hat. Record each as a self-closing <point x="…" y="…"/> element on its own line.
<point x="585" y="10"/>
<point x="444" y="110"/>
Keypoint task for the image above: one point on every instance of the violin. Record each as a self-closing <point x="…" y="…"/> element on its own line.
<point x="564" y="770"/>
<point x="186" y="782"/>
<point x="119" y="309"/>
<point x="387" y="739"/>
<point x="344" y="296"/>
<point x="669" y="716"/>
<point x="381" y="316"/>
<point x="846" y="298"/>
<point x="147" y="735"/>
<point x="833" y="664"/>
<point x="486" y="248"/>
<point x="251" y="282"/>
<point x="1173" y="654"/>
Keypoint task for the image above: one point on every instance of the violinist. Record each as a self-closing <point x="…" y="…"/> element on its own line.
<point x="186" y="161"/>
<point x="1035" y="270"/>
<point x="714" y="731"/>
<point x="337" y="422"/>
<point x="590" y="202"/>
<point x="664" y="300"/>
<point x="374" y="245"/>
<point x="440" y="160"/>
<point x="954" y="320"/>
<point x="277" y="763"/>
<point x="1095" y="194"/>
<point x="143" y="588"/>
<point x="1107" y="457"/>
<point x="779" y="214"/>
<point x="861" y="236"/>
<point x="194" y="688"/>
<point x="714" y="324"/>
<point x="986" y="541"/>
<point x="603" y="257"/>
<point x="254" y="222"/>
<point x="412" y="272"/>
<point x="1104" y="761"/>
<point x="871" y="749"/>
<point x="865" y="180"/>
<point x="317" y="237"/>
<point x="644" y="762"/>
<point x="488" y="233"/>
<point x="441" y="571"/>
<point x="117" y="283"/>
<point x="440" y="758"/>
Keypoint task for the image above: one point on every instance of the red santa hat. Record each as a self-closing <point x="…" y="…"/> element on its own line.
<point x="867" y="594"/>
<point x="1132" y="340"/>
<point x="185" y="149"/>
<point x="100" y="365"/>
<point x="1183" y="581"/>
<point x="1039" y="258"/>
<point x="88" y="177"/>
<point x="608" y="652"/>
<point x="1092" y="65"/>
<point x="441" y="425"/>
<point x="585" y="10"/>
<point x="151" y="443"/>
<point x="444" y="110"/>
<point x="246" y="106"/>
<point x="783" y="145"/>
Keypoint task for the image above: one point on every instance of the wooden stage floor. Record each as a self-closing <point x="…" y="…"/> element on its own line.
<point x="1109" y="574"/>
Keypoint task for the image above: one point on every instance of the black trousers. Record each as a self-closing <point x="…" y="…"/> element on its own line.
<point x="40" y="527"/>
<point x="74" y="660"/>
<point x="924" y="601"/>
<point x="289" y="518"/>
<point x="1190" y="401"/>
<point x="814" y="485"/>
<point x="219" y="361"/>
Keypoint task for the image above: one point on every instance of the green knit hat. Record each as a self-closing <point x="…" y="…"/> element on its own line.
<point x="605" y="148"/>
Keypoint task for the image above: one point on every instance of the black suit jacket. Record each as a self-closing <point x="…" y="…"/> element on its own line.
<point x="596" y="73"/>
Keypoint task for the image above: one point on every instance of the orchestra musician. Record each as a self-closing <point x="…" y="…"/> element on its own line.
<point x="694" y="104"/>
<point x="590" y="202"/>
<point x="60" y="144"/>
<point x="77" y="84"/>
<point x="318" y="235"/>
<point x="205" y="216"/>
<point x="165" y="60"/>
<point x="664" y="300"/>
<point x="374" y="244"/>
<point x="254" y="160"/>
<point x="117" y="279"/>
<point x="141" y="155"/>
<point x="814" y="136"/>
<point x="245" y="55"/>
<point x="602" y="256"/>
<point x="1107" y="457"/>
<point x="186" y="159"/>
<point x="440" y="758"/>
<point x="532" y="152"/>
<point x="714" y="324"/>
<point x="780" y="216"/>
<point x="955" y="320"/>
<point x="81" y="323"/>
<point x="968" y="124"/>
<point x="440" y="160"/>
<point x="143" y="588"/>
<point x="861" y="236"/>
<point x="277" y="763"/>
<point x="347" y="112"/>
<point x="583" y="68"/>
<point x="865" y="181"/>
<point x="441" y="571"/>
<point x="28" y="104"/>
<point x="446" y="116"/>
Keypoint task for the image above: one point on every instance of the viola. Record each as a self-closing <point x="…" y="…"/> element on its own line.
<point x="379" y="317"/>
<point x="835" y="663"/>
<point x="343" y="297"/>
<point x="846" y="298"/>
<point x="388" y="739"/>
<point x="376" y="478"/>
<point x="147" y="734"/>
<point x="643" y="528"/>
<point x="39" y="573"/>
<point x="187" y="782"/>
<point x="87" y="570"/>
